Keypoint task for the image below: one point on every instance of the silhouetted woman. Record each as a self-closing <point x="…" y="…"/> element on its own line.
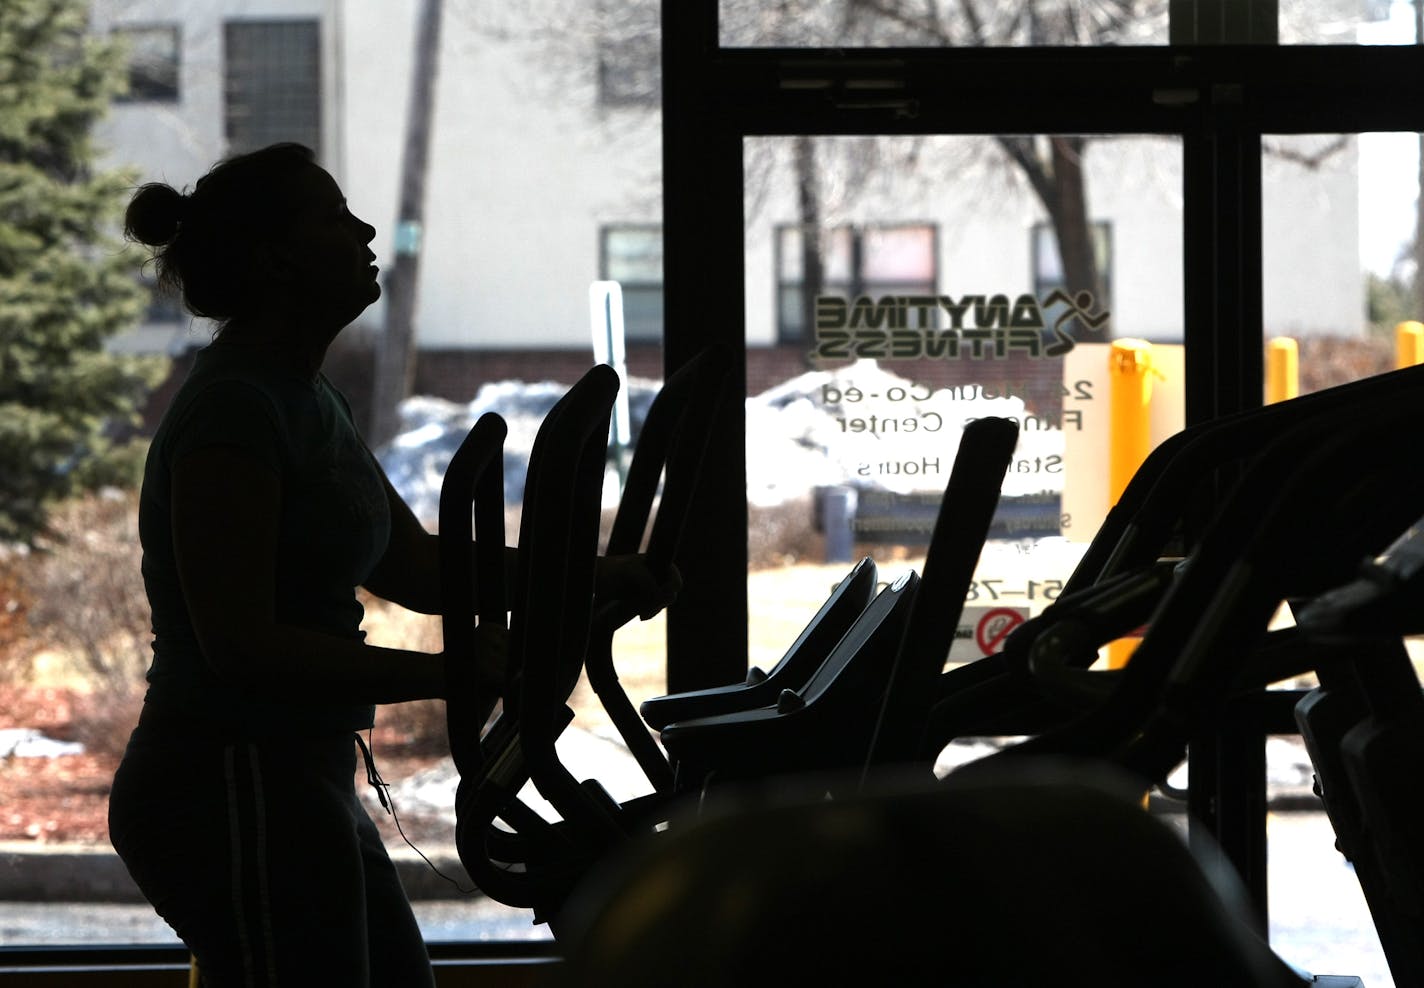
<point x="261" y="512"/>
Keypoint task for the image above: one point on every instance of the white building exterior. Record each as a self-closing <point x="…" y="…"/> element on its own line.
<point x="529" y="168"/>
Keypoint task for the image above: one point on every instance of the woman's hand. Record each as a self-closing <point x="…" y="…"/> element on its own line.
<point x="474" y="685"/>
<point x="483" y="673"/>
<point x="632" y="580"/>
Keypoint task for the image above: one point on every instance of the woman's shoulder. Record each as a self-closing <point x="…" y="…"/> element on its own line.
<point x="223" y="401"/>
<point x="216" y="380"/>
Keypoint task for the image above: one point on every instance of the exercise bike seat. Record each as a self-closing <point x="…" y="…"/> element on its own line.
<point x="792" y="671"/>
<point x="826" y="726"/>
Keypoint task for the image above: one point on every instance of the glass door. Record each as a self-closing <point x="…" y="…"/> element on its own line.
<point x="897" y="288"/>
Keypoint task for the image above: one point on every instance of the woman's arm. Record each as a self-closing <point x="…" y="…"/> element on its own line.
<point x="225" y="509"/>
<point x="409" y="572"/>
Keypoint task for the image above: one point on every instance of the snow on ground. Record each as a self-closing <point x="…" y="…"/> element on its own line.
<point x="803" y="433"/>
<point x="432" y="429"/>
<point x="25" y="742"/>
<point x="799" y="436"/>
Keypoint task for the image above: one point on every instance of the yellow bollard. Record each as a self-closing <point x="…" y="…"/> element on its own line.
<point x="1130" y="435"/>
<point x="1282" y="370"/>
<point x="1409" y="344"/>
<point x="1130" y="400"/>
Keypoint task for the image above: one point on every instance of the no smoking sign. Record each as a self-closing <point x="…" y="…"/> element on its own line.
<point x="982" y="631"/>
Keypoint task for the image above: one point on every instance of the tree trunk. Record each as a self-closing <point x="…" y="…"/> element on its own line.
<point x="808" y="195"/>
<point x="1073" y="231"/>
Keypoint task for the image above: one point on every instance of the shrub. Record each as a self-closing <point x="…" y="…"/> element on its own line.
<point x="87" y="603"/>
<point x="784" y="535"/>
<point x="14" y="615"/>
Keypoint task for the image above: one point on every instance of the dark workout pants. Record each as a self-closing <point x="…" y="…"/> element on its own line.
<point x="263" y="860"/>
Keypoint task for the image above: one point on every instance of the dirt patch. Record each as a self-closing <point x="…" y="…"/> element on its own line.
<point x="65" y="799"/>
<point x="61" y="799"/>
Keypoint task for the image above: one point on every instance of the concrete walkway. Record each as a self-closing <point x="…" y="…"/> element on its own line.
<point x="34" y="872"/>
<point x="73" y="895"/>
<point x="37" y="872"/>
<point x="1319" y="920"/>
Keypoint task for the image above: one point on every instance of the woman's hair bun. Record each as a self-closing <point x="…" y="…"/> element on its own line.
<point x="154" y="214"/>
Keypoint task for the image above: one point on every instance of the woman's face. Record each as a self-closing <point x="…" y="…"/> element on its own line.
<point x="326" y="254"/>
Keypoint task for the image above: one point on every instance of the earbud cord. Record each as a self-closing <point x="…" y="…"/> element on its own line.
<point x="382" y="787"/>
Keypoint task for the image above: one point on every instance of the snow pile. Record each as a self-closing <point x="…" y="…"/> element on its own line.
<point x="868" y="428"/>
<point x="26" y="742"/>
<point x="860" y="426"/>
<point x="432" y="429"/>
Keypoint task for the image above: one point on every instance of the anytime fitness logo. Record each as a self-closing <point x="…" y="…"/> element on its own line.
<point x="900" y="327"/>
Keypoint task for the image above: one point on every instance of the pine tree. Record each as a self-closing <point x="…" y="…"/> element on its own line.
<point x="67" y="281"/>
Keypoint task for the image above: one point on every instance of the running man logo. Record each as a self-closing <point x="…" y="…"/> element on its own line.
<point x="901" y="327"/>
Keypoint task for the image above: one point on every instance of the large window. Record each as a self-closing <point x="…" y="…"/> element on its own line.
<point x="527" y="166"/>
<point x="1199" y="151"/>
<point x="522" y="181"/>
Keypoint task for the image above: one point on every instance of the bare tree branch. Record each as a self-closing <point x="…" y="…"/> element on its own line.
<point x="1311" y="160"/>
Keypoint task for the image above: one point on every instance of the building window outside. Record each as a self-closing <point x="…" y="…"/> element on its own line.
<point x="632" y="255"/>
<point x="1048" y="265"/>
<point x="874" y="260"/>
<point x="272" y="83"/>
<point x="153" y="51"/>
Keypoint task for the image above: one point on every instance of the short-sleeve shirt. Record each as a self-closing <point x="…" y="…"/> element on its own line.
<point x="334" y="528"/>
